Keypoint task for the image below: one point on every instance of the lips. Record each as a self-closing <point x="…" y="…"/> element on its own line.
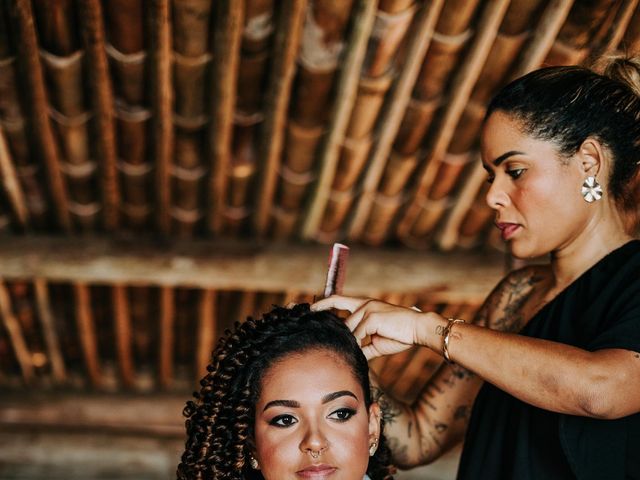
<point x="508" y="230"/>
<point x="317" y="471"/>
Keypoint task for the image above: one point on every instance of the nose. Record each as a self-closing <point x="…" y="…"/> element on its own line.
<point x="314" y="441"/>
<point x="497" y="196"/>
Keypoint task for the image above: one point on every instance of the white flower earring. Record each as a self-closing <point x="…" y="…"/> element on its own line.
<point x="591" y="190"/>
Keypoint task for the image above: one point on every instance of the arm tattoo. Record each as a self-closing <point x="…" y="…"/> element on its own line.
<point x="398" y="451"/>
<point x="440" y="330"/>
<point x="390" y="411"/>
<point x="462" y="413"/>
<point x="517" y="292"/>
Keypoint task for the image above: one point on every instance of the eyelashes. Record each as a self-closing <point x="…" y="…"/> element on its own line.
<point x="514" y="174"/>
<point x="340" y="415"/>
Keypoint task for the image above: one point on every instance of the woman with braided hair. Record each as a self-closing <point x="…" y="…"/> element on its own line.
<point x="286" y="396"/>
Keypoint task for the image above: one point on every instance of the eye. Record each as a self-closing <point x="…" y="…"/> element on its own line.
<point x="516" y="172"/>
<point x="283" y="421"/>
<point x="342" y="414"/>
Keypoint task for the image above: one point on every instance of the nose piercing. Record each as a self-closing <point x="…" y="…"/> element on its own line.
<point x="315" y="454"/>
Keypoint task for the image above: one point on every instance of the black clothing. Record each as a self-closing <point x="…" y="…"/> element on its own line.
<point x="509" y="439"/>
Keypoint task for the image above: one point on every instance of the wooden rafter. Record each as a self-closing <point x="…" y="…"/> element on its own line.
<point x="345" y="99"/>
<point x="95" y="43"/>
<point x="245" y="266"/>
<point x="16" y="336"/>
<point x="167" y="319"/>
<point x="206" y="336"/>
<point x="227" y="55"/>
<point x="286" y="44"/>
<point x="49" y="331"/>
<point x="122" y="319"/>
<point x="87" y="332"/>
<point x="163" y="134"/>
<point x="30" y="55"/>
<point x="11" y="184"/>
<point x="425" y="24"/>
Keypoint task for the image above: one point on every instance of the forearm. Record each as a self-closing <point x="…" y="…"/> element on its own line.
<point x="548" y="375"/>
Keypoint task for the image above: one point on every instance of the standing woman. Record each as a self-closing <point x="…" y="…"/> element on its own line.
<point x="551" y="363"/>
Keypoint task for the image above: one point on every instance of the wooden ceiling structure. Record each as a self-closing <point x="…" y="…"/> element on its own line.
<point x="169" y="167"/>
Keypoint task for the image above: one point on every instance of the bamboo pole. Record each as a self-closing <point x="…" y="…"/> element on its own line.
<point x="616" y="31"/>
<point x="206" y="331"/>
<point x="167" y="319"/>
<point x="162" y="104"/>
<point x="227" y="41"/>
<point x="49" y="330"/>
<point x="18" y="343"/>
<point x="94" y="38"/>
<point x="550" y="23"/>
<point x="12" y="184"/>
<point x="123" y="334"/>
<point x="271" y="138"/>
<point x="46" y="142"/>
<point x="392" y="118"/>
<point x="462" y="86"/>
<point x="87" y="333"/>
<point x="345" y="100"/>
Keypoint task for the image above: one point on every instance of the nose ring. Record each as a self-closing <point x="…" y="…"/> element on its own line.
<point x="315" y="454"/>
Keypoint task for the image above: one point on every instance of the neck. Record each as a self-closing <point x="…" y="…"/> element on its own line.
<point x="603" y="234"/>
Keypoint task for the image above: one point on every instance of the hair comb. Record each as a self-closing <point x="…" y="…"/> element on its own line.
<point x="337" y="269"/>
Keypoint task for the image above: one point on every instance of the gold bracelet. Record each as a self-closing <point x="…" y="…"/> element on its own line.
<point x="447" y="335"/>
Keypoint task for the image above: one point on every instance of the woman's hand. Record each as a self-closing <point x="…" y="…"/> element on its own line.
<point x="391" y="328"/>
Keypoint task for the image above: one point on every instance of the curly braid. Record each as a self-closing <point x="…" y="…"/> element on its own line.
<point x="220" y="421"/>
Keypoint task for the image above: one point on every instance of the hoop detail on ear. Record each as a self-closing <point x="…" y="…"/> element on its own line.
<point x="591" y="190"/>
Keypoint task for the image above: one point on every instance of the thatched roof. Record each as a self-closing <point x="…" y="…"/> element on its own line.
<point x="255" y="122"/>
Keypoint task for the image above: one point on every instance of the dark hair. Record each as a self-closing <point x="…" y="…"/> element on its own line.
<point x="220" y="422"/>
<point x="568" y="104"/>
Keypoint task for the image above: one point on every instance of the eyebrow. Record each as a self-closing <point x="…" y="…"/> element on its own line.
<point x="293" y="404"/>
<point x="506" y="155"/>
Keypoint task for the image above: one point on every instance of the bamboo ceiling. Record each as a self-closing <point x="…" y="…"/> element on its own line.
<point x="277" y="120"/>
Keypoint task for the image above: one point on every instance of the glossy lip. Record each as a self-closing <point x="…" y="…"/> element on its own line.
<point x="508" y="230"/>
<point x="317" y="471"/>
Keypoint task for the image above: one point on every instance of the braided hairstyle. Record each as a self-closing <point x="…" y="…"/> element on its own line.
<point x="220" y="421"/>
<point x="567" y="104"/>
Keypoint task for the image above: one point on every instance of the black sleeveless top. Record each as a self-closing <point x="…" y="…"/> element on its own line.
<point x="509" y="439"/>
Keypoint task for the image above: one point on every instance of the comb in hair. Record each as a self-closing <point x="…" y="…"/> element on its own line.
<point x="337" y="269"/>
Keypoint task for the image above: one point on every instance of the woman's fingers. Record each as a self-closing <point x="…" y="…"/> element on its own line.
<point x="339" y="302"/>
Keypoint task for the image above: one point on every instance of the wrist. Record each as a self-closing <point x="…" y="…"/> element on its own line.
<point x="432" y="331"/>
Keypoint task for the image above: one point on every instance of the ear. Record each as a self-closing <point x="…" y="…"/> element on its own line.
<point x="592" y="156"/>
<point x="375" y="417"/>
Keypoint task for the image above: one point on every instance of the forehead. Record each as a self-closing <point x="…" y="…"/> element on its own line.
<point x="313" y="371"/>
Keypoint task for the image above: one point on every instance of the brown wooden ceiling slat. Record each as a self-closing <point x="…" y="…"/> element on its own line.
<point x="162" y="105"/>
<point x="461" y="88"/>
<point x="206" y="331"/>
<point x="550" y="23"/>
<point x="123" y="332"/>
<point x="229" y="23"/>
<point x="392" y="118"/>
<point x="286" y="45"/>
<point x="48" y="147"/>
<point x="50" y="332"/>
<point x="616" y="31"/>
<point x="345" y="98"/>
<point x="100" y="83"/>
<point x="167" y="338"/>
<point x="12" y="184"/>
<point x="87" y="333"/>
<point x="16" y="336"/>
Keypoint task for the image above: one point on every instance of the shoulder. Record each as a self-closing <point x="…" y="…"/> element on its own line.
<point x="504" y="307"/>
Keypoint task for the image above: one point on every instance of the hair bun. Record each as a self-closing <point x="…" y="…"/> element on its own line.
<point x="623" y="68"/>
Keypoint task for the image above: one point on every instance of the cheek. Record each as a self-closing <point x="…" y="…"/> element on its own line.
<point x="276" y="451"/>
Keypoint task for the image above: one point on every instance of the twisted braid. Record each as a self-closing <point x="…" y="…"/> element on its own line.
<point x="220" y="421"/>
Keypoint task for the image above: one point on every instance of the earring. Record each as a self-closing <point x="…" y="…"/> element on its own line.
<point x="373" y="447"/>
<point x="591" y="190"/>
<point x="254" y="463"/>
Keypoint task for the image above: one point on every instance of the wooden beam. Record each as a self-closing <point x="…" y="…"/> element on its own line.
<point x="206" y="331"/>
<point x="163" y="135"/>
<point x="29" y="54"/>
<point x="286" y="44"/>
<point x="94" y="39"/>
<point x="49" y="331"/>
<point x="14" y="329"/>
<point x="245" y="265"/>
<point x="167" y="320"/>
<point x="417" y="48"/>
<point x="87" y="333"/>
<point x="11" y="184"/>
<point x="345" y="99"/>
<point x="123" y="335"/>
